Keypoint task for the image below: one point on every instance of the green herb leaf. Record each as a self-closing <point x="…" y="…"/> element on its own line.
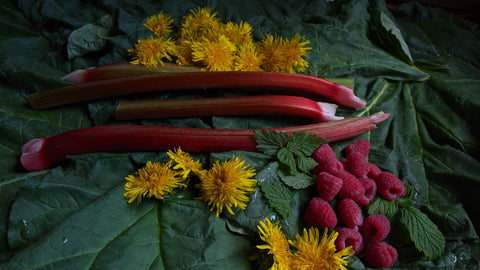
<point x="286" y="157"/>
<point x="299" y="181"/>
<point x="270" y="142"/>
<point x="306" y="164"/>
<point x="304" y="144"/>
<point x="278" y="197"/>
<point x="383" y="207"/>
<point x="424" y="233"/>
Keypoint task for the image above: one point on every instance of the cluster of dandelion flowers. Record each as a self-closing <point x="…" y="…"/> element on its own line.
<point x="307" y="251"/>
<point x="185" y="164"/>
<point x="156" y="179"/>
<point x="227" y="184"/>
<point x="203" y="40"/>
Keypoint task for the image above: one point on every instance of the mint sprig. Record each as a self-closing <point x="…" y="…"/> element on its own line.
<point x="425" y="235"/>
<point x="278" y="197"/>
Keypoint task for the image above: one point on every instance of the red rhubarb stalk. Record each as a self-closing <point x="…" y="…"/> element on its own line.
<point x="39" y="154"/>
<point x="195" y="80"/>
<point x="122" y="70"/>
<point x="245" y="105"/>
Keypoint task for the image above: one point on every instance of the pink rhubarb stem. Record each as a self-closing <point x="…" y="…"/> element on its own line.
<point x="221" y="106"/>
<point x="195" y="80"/>
<point x="122" y="70"/>
<point x="39" y="154"/>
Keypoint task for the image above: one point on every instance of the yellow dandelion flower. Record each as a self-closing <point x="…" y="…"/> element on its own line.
<point x="185" y="163"/>
<point x="214" y="54"/>
<point x="183" y="52"/>
<point x="315" y="253"/>
<point x="238" y="33"/>
<point x="149" y="52"/>
<point x="276" y="243"/>
<point x="154" y="180"/>
<point x="247" y="58"/>
<point x="197" y="23"/>
<point x="293" y="51"/>
<point x="160" y="25"/>
<point x="226" y="184"/>
<point x="271" y="51"/>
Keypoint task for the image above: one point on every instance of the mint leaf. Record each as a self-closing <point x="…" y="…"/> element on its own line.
<point x="304" y="144"/>
<point x="278" y="197"/>
<point x="306" y="164"/>
<point x="383" y="207"/>
<point x="424" y="233"/>
<point x="287" y="158"/>
<point x="270" y="142"/>
<point x="299" y="181"/>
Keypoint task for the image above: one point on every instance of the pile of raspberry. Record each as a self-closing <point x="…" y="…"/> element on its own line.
<point x="347" y="185"/>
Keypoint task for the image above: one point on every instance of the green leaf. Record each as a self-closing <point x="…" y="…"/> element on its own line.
<point x="299" y="181"/>
<point x="424" y="233"/>
<point x="270" y="142"/>
<point x="89" y="38"/>
<point x="278" y="197"/>
<point x="383" y="207"/>
<point x="287" y="158"/>
<point x="390" y="37"/>
<point x="304" y="144"/>
<point x="306" y="164"/>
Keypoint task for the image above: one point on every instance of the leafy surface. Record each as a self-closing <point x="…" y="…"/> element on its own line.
<point x="417" y="63"/>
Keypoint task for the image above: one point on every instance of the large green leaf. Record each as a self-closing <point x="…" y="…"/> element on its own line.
<point x="74" y="215"/>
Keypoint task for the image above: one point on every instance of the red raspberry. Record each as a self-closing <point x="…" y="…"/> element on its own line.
<point x="331" y="166"/>
<point x="373" y="171"/>
<point x="375" y="228"/>
<point x="389" y="186"/>
<point x="350" y="213"/>
<point x="324" y="152"/>
<point x="352" y="188"/>
<point x="361" y="146"/>
<point x="355" y="164"/>
<point x="328" y="186"/>
<point x="319" y="213"/>
<point x="370" y="190"/>
<point x="348" y="237"/>
<point x="380" y="255"/>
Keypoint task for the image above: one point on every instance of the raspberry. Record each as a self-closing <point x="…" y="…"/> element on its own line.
<point x="348" y="237"/>
<point x="331" y="165"/>
<point x="323" y="152"/>
<point x="355" y="164"/>
<point x="352" y="188"/>
<point x="380" y="255"/>
<point x="350" y="213"/>
<point x="373" y="171"/>
<point x="375" y="228"/>
<point x="319" y="213"/>
<point x="389" y="186"/>
<point x="370" y="190"/>
<point x="328" y="186"/>
<point x="361" y="146"/>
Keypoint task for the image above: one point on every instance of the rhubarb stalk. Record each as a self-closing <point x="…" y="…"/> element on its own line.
<point x="39" y="154"/>
<point x="245" y="105"/>
<point x="195" y="80"/>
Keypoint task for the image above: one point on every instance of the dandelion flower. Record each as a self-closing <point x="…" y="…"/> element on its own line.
<point x="215" y="54"/>
<point x="185" y="163"/>
<point x="276" y="243"/>
<point x="315" y="253"/>
<point x="149" y="52"/>
<point x="247" y="58"/>
<point x="197" y="23"/>
<point x="154" y="180"/>
<point x="226" y="184"/>
<point x="238" y="33"/>
<point x="160" y="25"/>
<point x="293" y="51"/>
<point x="271" y="51"/>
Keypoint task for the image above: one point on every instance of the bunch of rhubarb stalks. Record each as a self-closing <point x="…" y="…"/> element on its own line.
<point x="126" y="79"/>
